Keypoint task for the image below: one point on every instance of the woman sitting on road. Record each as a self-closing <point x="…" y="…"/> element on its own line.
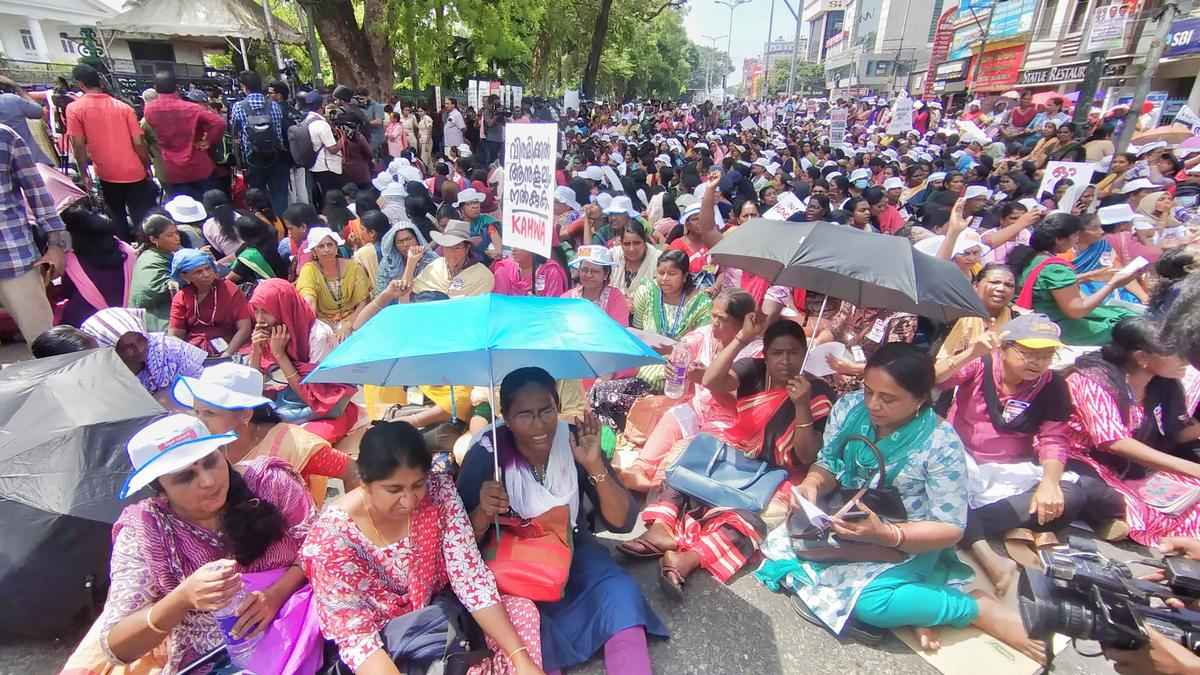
<point x="780" y="415"/>
<point x="395" y="248"/>
<point x="595" y="267"/>
<point x="705" y="410"/>
<point x="862" y="331"/>
<point x="995" y="285"/>
<point x="1011" y="412"/>
<point x="636" y="259"/>
<point x="99" y="266"/>
<point x="149" y="288"/>
<point x="156" y="358"/>
<point x="459" y="272"/>
<point x="287" y="343"/>
<point x="548" y="463"/>
<point x="258" y="257"/>
<point x="526" y="273"/>
<point x="208" y="531"/>
<point x="1129" y="414"/>
<point x="228" y="398"/>
<point x="220" y="231"/>
<point x="927" y="466"/>
<point x="393" y="560"/>
<point x="334" y="287"/>
<point x="208" y="312"/>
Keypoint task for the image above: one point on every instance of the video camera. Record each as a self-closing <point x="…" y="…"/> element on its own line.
<point x="1086" y="596"/>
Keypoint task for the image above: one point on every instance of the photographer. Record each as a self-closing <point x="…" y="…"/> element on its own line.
<point x="493" y="130"/>
<point x="1163" y="656"/>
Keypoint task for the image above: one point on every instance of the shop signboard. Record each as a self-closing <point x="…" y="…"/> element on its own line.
<point x="1184" y="38"/>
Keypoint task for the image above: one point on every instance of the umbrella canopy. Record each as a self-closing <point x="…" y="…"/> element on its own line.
<point x="1042" y="98"/>
<point x="64" y="421"/>
<point x="1193" y="142"/>
<point x="863" y="268"/>
<point x="478" y="340"/>
<point x="1172" y="135"/>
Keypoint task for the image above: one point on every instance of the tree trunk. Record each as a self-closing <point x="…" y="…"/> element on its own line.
<point x="592" y="70"/>
<point x="439" y="18"/>
<point x="358" y="57"/>
<point x="410" y="35"/>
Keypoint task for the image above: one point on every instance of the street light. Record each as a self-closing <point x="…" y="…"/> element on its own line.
<point x="712" y="57"/>
<point x="732" y="5"/>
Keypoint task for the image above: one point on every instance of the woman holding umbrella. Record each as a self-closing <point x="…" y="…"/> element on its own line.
<point x="547" y="463"/>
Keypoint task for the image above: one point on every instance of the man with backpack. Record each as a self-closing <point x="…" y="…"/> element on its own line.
<point x="299" y="182"/>
<point x="325" y="145"/>
<point x="259" y="142"/>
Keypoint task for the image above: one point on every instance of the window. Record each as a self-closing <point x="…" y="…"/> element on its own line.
<point x="68" y="46"/>
<point x="879" y="68"/>
<point x="1045" y="22"/>
<point x="27" y="40"/>
<point x="938" y="7"/>
<point x="1079" y="16"/>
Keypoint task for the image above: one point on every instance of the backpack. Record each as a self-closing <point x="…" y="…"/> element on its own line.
<point x="262" y="147"/>
<point x="301" y="146"/>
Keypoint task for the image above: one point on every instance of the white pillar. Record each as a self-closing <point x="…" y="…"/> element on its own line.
<point x="39" y="38"/>
<point x="1194" y="97"/>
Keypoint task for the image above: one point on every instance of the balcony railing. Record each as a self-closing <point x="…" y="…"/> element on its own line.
<point x="150" y="68"/>
<point x="30" y="73"/>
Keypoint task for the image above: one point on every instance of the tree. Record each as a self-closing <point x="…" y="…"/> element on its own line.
<point x="360" y="51"/>
<point x="810" y="77"/>
<point x="640" y="12"/>
<point x="709" y="65"/>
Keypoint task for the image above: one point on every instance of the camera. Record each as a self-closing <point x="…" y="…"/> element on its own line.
<point x="1086" y="596"/>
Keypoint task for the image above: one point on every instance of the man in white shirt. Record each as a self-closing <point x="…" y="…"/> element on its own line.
<point x="328" y="143"/>
<point x="453" y="126"/>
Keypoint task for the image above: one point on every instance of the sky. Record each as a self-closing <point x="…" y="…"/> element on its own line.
<point x="706" y="17"/>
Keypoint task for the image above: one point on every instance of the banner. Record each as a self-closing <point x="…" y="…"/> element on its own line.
<point x="902" y="117"/>
<point x="1107" y="27"/>
<point x="1188" y="118"/>
<point x="473" y="94"/>
<point x="786" y="206"/>
<point x="517" y="95"/>
<point x="529" y="154"/>
<point x="943" y="34"/>
<point x="1080" y="175"/>
<point x="571" y="100"/>
<point x="837" y="126"/>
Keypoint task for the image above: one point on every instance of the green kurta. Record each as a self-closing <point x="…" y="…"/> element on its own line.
<point x="1093" y="329"/>
<point x="149" y="288"/>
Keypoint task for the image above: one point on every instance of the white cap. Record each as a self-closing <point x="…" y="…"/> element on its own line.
<point x="394" y="190"/>
<point x="621" y="204"/>
<point x="616" y="157"/>
<point x="893" y="183"/>
<point x="1153" y="145"/>
<point x="383" y="180"/>
<point x="565" y="195"/>
<point x="468" y="196"/>
<point x="937" y="175"/>
<point x="701" y="145"/>
<point x="184" y="209"/>
<point x="1137" y="184"/>
<point x="935" y="104"/>
<point x="693" y="209"/>
<point x="597" y="255"/>
<point x="967" y="240"/>
<point x="166" y="446"/>
<point x="1116" y="213"/>
<point x="464" y="150"/>
<point x="230" y="386"/>
<point x="663" y="158"/>
<point x="1030" y="203"/>
<point x="917" y="105"/>
<point x="977" y="103"/>
<point x="319" y="234"/>
<point x="860" y="174"/>
<point x="1142" y="223"/>
<point x="593" y="173"/>
<point x="976" y="191"/>
<point x="762" y="161"/>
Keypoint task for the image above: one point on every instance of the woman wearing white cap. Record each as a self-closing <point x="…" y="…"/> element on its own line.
<point x="483" y="226"/>
<point x="228" y="399"/>
<point x="595" y="267"/>
<point x="207" y="531"/>
<point x="334" y="287"/>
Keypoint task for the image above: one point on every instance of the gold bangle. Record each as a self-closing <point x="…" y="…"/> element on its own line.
<point x="150" y="624"/>
<point x="516" y="651"/>
<point x="804" y="426"/>
<point x="598" y="478"/>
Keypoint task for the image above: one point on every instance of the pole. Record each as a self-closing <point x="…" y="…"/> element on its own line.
<point x="1087" y="92"/>
<point x="767" y="51"/>
<point x="1170" y="10"/>
<point x="795" y="58"/>
<point x="982" y="46"/>
<point x="245" y="54"/>
<point x="712" y="62"/>
<point x="728" y="50"/>
<point x="314" y="52"/>
<point x="271" y="35"/>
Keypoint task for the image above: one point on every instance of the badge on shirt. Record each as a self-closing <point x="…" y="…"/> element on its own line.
<point x="539" y="284"/>
<point x="1106" y="259"/>
<point x="877" y="331"/>
<point x="858" y="353"/>
<point x="456" y="284"/>
<point x="1158" y="418"/>
<point x="1013" y="409"/>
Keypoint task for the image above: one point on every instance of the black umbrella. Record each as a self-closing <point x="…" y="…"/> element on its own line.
<point x="64" y="422"/>
<point x="863" y="268"/>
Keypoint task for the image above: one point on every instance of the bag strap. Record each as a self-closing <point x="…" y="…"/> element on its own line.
<point x="875" y="449"/>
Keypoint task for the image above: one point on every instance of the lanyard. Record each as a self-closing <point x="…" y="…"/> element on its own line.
<point x="662" y="314"/>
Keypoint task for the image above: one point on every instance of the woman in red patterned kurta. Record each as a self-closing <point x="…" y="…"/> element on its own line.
<point x="391" y="548"/>
<point x="1129" y="412"/>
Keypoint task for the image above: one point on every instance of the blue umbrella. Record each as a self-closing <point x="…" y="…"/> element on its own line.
<point x="480" y="339"/>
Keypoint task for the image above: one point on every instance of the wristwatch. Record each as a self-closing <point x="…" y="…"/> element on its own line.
<point x="61" y="239"/>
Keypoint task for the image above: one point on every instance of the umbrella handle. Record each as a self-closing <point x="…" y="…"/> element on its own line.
<point x="816" y="332"/>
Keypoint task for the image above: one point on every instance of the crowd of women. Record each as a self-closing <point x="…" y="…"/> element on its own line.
<point x="224" y="309"/>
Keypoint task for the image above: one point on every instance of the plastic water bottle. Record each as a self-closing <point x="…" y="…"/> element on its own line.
<point x="677" y="367"/>
<point x="239" y="651"/>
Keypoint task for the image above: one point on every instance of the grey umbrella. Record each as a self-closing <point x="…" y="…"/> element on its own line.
<point x="863" y="268"/>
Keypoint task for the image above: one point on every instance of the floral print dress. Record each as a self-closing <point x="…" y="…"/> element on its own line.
<point x="932" y="485"/>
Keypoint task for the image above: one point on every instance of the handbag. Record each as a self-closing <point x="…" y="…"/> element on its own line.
<point x="719" y="474"/>
<point x="819" y="543"/>
<point x="531" y="557"/>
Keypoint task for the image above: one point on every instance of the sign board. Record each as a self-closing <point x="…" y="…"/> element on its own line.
<point x="518" y="94"/>
<point x="1188" y="117"/>
<point x="571" y="99"/>
<point x="837" y="126"/>
<point x="942" y="36"/>
<point x="1079" y="173"/>
<point x="1069" y="73"/>
<point x="473" y="94"/>
<point x="529" y="154"/>
<point x="786" y="206"/>
<point x="1158" y="99"/>
<point x="1184" y="38"/>
<point x="902" y="117"/>
<point x="1107" y="27"/>
<point x="748" y="124"/>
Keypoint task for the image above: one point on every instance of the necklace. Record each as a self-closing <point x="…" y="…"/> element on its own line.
<point x="337" y="284"/>
<point x="212" y="319"/>
<point x="662" y="314"/>
<point x="541" y="479"/>
<point x="371" y="519"/>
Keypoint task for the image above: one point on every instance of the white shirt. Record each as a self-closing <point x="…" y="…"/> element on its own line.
<point x="321" y="135"/>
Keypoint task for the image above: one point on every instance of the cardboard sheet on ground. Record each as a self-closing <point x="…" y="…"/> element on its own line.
<point x="970" y="651"/>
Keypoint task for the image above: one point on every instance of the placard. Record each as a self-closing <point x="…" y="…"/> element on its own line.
<point x="1107" y="28"/>
<point x="529" y="154"/>
<point x="1080" y="174"/>
<point x="786" y="206"/>
<point x="1188" y="117"/>
<point x="837" y="126"/>
<point x="571" y="100"/>
<point x="473" y="94"/>
<point x="517" y="96"/>
<point x="902" y="117"/>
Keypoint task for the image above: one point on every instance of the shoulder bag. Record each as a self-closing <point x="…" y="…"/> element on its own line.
<point x="719" y="474"/>
<point x="531" y="557"/>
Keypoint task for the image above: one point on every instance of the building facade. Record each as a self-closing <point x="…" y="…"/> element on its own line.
<point x="883" y="46"/>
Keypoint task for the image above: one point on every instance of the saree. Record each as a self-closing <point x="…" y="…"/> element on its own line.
<point x="336" y="298"/>
<point x="648" y="312"/>
<point x="1099" y="254"/>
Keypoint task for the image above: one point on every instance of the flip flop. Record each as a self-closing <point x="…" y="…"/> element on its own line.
<point x="1021" y="545"/>
<point x="651" y="551"/>
<point x="854" y="629"/>
<point x="673" y="587"/>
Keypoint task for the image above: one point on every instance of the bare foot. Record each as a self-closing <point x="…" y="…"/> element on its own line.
<point x="929" y="638"/>
<point x="1001" y="570"/>
<point x="1004" y="623"/>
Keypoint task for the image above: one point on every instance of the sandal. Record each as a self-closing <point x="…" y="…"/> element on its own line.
<point x="1021" y="545"/>
<point x="854" y="629"/>
<point x="671" y="582"/>
<point x="649" y="550"/>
